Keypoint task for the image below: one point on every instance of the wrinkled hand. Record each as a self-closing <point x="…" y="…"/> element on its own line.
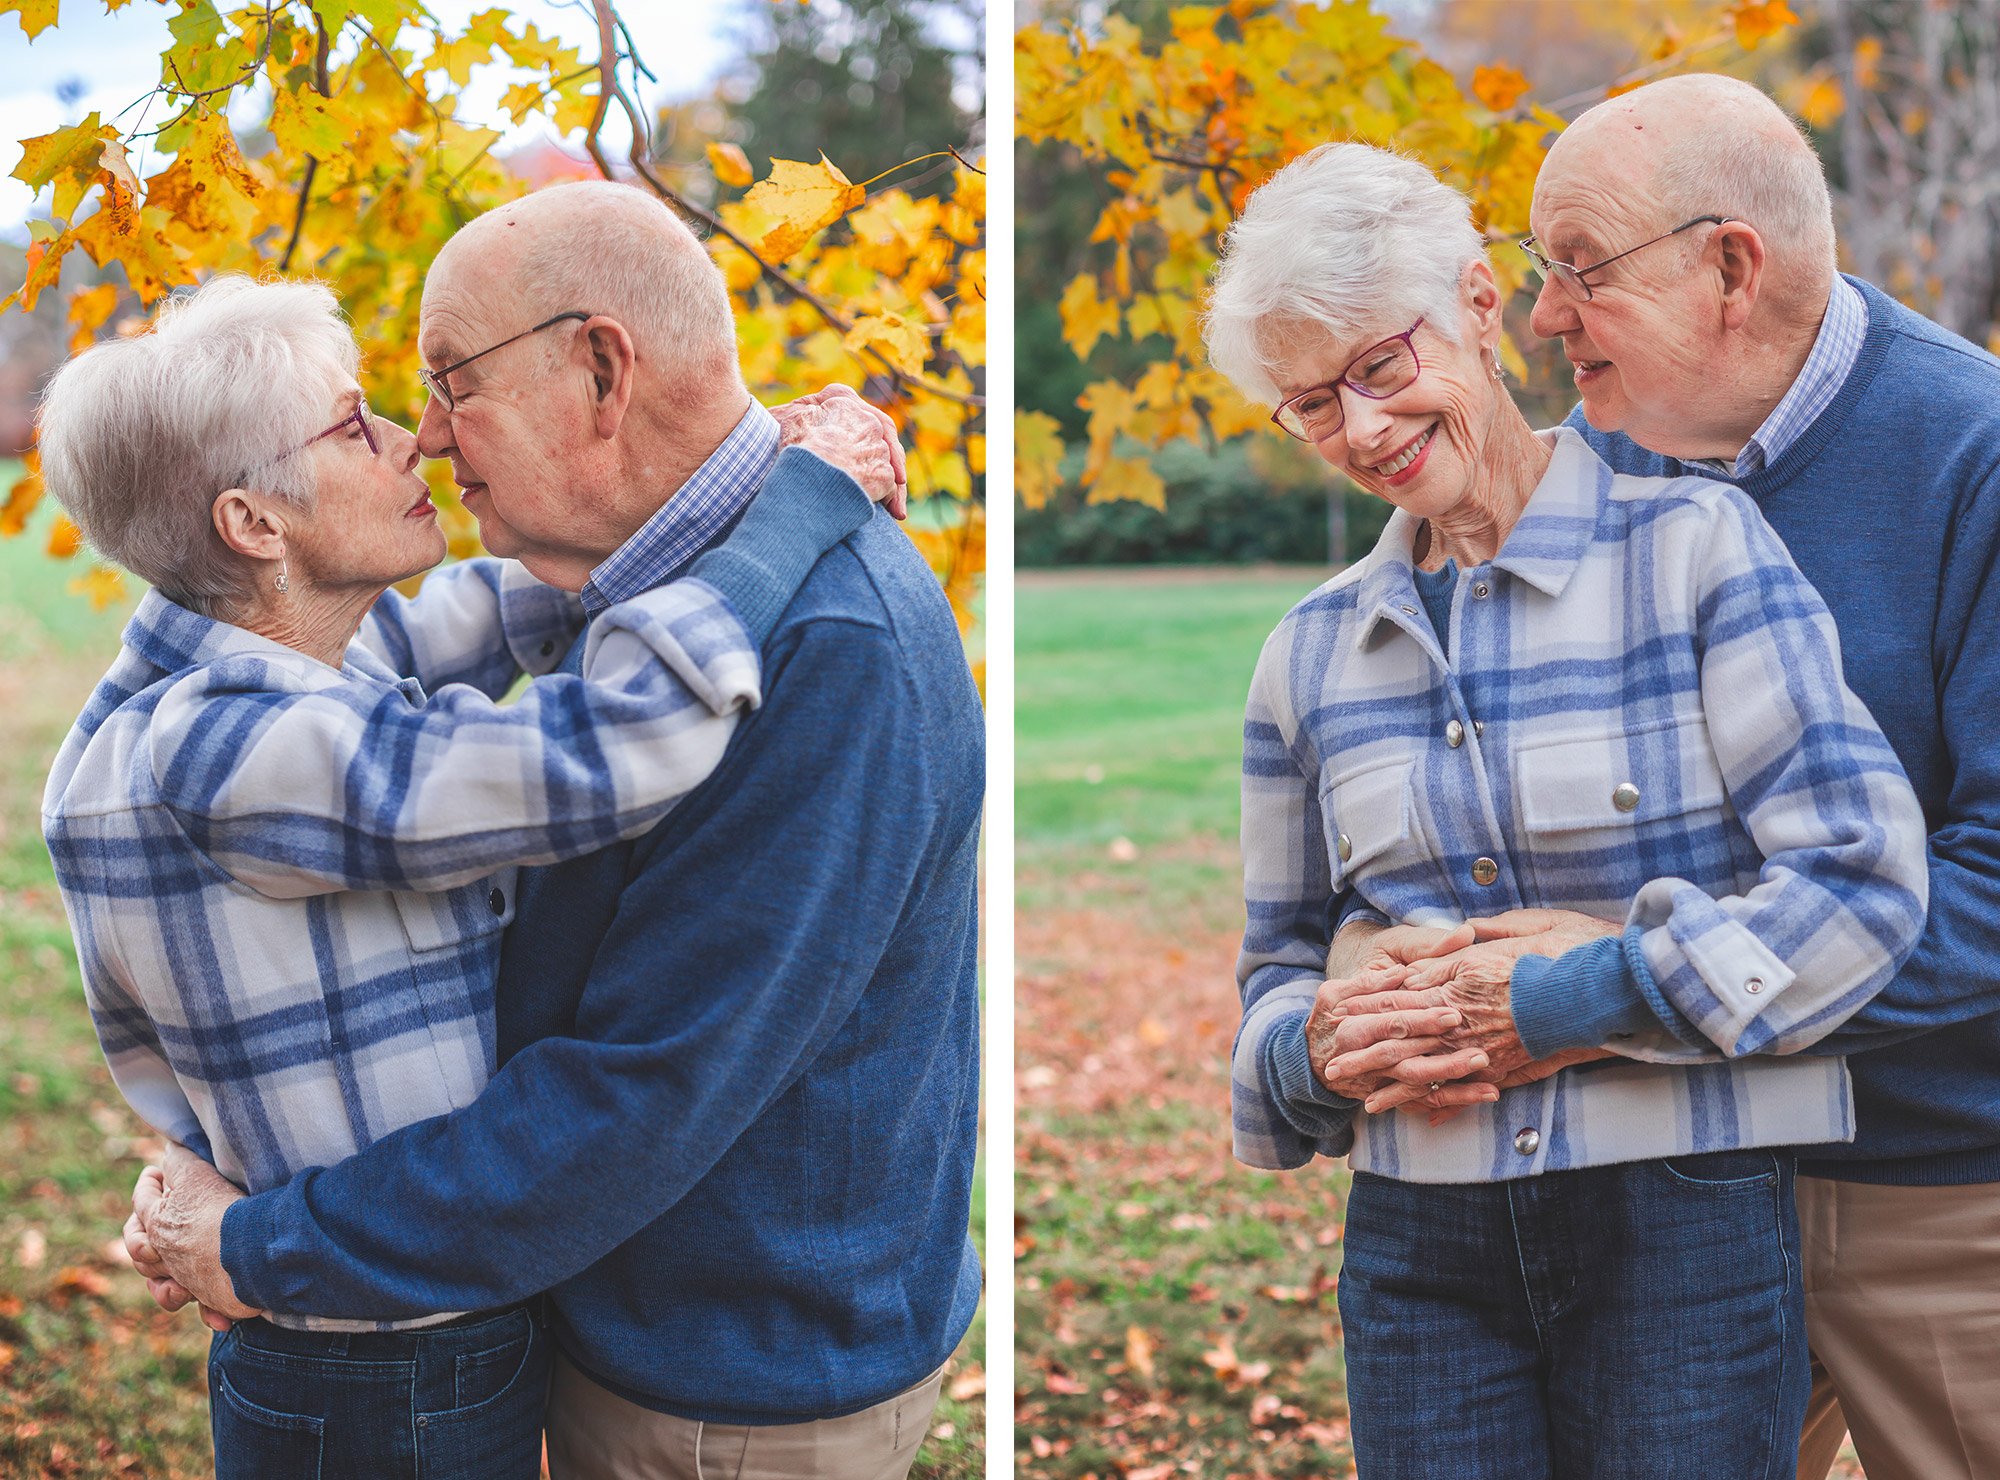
<point x="1355" y="1058"/>
<point x="860" y="440"/>
<point x="1471" y="973"/>
<point x="175" y="1237"/>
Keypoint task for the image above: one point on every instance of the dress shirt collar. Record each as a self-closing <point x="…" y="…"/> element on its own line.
<point x="1543" y="548"/>
<point x="1834" y="351"/>
<point x="693" y="518"/>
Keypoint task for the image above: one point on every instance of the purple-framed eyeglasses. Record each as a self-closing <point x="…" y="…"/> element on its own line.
<point x="437" y="382"/>
<point x="1378" y="372"/>
<point x="361" y="417"/>
<point x="1571" y="279"/>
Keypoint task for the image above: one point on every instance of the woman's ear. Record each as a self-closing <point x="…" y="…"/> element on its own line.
<point x="248" y="525"/>
<point x="1481" y="296"/>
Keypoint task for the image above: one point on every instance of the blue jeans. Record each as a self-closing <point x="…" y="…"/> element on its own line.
<point x="457" y="1402"/>
<point x="1635" y="1322"/>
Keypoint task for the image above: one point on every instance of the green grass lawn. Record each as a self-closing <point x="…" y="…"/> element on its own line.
<point x="1129" y="718"/>
<point x="94" y="1380"/>
<point x="1174" y="1311"/>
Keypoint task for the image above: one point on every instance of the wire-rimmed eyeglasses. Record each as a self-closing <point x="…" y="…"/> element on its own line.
<point x="1571" y="279"/>
<point x="437" y="382"/>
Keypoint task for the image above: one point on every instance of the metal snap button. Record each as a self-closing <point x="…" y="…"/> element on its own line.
<point x="1454" y="734"/>
<point x="1479" y="727"/>
<point x="1754" y="985"/>
<point x="498" y="901"/>
<point x="1480" y="590"/>
<point x="1344" y="847"/>
<point x="1484" y="870"/>
<point x="1626" y="797"/>
<point x="1409" y="611"/>
<point x="1528" y="1141"/>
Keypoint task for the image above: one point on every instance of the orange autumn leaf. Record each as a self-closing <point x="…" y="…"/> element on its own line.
<point x="1139" y="1351"/>
<point x="1086" y="318"/>
<point x="22" y="497"/>
<point x="101" y="584"/>
<point x="1499" y="86"/>
<point x="1759" y="20"/>
<point x="892" y="336"/>
<point x="65" y="539"/>
<point x="1125" y="478"/>
<point x="80" y="1279"/>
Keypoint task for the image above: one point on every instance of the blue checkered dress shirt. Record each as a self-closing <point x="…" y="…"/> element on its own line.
<point x="1835" y="349"/>
<point x="695" y="517"/>
<point x="287" y="881"/>
<point x="1643" y="717"/>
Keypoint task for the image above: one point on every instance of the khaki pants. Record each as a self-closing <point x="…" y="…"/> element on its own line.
<point x="1902" y="1292"/>
<point x="597" y="1435"/>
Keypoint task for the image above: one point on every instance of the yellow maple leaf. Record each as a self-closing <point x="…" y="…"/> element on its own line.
<point x="1128" y="479"/>
<point x="44" y="270"/>
<point x="1868" y="62"/>
<point x="893" y="337"/>
<point x="1499" y="86"/>
<point x="731" y="165"/>
<point x="103" y="585"/>
<point x="1086" y="318"/>
<point x="68" y="159"/>
<point x="804" y="199"/>
<point x="88" y="310"/>
<point x="1038" y="454"/>
<point x="302" y="123"/>
<point x="36" y="15"/>
<point x="1823" y="103"/>
<point x="1759" y="20"/>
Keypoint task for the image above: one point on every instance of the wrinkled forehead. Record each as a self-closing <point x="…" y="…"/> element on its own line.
<point x="469" y="303"/>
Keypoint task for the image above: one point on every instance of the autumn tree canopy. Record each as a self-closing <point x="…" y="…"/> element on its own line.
<point x="365" y="163"/>
<point x="1181" y="127"/>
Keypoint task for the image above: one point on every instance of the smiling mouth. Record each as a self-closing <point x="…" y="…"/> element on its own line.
<point x="1410" y="452"/>
<point x="1589" y="367"/>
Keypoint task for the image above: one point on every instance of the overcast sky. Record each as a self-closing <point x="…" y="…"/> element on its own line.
<point x="108" y="61"/>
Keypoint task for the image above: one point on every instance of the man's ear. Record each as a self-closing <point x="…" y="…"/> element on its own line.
<point x="613" y="365"/>
<point x="1736" y="254"/>
<point x="248" y="525"/>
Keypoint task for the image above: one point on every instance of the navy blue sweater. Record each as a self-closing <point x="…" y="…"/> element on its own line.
<point x="1890" y="504"/>
<point x="733" y="1129"/>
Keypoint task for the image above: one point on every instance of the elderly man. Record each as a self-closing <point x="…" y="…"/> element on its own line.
<point x="1685" y="236"/>
<point x="732" y="1132"/>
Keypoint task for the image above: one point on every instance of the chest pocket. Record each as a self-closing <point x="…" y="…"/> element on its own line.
<point x="1604" y="811"/>
<point x="1373" y="841"/>
<point x="436" y="922"/>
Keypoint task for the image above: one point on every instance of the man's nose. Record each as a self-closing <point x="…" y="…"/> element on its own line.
<point x="434" y="428"/>
<point x="1554" y="313"/>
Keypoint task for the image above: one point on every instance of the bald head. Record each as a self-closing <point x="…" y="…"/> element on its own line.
<point x="1712" y="145"/>
<point x="604" y="248"/>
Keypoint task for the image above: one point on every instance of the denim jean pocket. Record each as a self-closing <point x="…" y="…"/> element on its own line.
<point x="1724" y="1171"/>
<point x="253" y="1442"/>
<point x="482" y="1376"/>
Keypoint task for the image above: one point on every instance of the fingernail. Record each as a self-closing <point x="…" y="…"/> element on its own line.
<point x="1479" y="1061"/>
<point x="1453" y="1017"/>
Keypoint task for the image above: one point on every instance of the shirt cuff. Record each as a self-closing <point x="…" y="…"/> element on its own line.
<point x="805" y="508"/>
<point x="1308" y="1104"/>
<point x="1581" y="999"/>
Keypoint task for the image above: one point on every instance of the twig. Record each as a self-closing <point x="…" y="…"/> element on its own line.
<point x="312" y="163"/>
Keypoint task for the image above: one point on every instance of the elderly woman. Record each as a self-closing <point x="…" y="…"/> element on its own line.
<point x="1548" y="685"/>
<point x="286" y="825"/>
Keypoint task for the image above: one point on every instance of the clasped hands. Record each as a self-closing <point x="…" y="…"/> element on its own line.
<point x="1405" y="1008"/>
<point x="175" y="1237"/>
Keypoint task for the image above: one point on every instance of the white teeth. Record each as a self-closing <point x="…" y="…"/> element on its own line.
<point x="1403" y="459"/>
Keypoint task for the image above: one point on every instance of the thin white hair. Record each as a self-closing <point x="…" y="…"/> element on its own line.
<point x="138" y="435"/>
<point x="1346" y="240"/>
<point x="618" y="250"/>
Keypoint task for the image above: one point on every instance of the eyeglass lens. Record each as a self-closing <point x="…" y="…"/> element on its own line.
<point x="1380" y="373"/>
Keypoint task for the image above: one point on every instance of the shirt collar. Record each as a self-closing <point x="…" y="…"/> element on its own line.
<point x="1544" y="547"/>
<point x="171" y="638"/>
<point x="1835" y="349"/>
<point x="693" y="518"/>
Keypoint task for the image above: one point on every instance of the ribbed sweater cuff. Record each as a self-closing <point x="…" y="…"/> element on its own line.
<point x="1580" y="999"/>
<point x="806" y="507"/>
<point x="1313" y="1108"/>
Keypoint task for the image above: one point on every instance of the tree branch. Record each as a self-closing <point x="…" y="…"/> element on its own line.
<point x="320" y="84"/>
<point x="607" y="72"/>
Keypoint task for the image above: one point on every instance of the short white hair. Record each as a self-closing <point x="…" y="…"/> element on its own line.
<point x="1757" y="166"/>
<point x="139" y="435"/>
<point x="610" y="248"/>
<point x="1346" y="239"/>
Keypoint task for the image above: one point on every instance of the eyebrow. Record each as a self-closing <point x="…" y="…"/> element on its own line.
<point x="438" y="350"/>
